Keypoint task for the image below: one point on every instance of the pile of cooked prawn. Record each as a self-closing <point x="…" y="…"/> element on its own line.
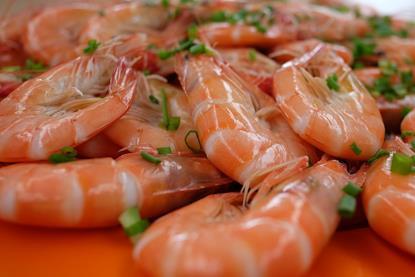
<point x="265" y="122"/>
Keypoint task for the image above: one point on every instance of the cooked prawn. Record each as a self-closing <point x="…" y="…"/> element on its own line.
<point x="310" y="106"/>
<point x="392" y="111"/>
<point x="388" y="48"/>
<point x="52" y="35"/>
<point x="408" y="123"/>
<point x="224" y="114"/>
<point x="140" y="126"/>
<point x="252" y="65"/>
<point x="100" y="146"/>
<point x="279" y="234"/>
<point x="388" y="199"/>
<point x="65" y="106"/>
<point x="288" y="51"/>
<point x="126" y="19"/>
<point x="93" y="193"/>
<point x="320" y="22"/>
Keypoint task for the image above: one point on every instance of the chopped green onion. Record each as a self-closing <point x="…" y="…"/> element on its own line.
<point x="332" y="82"/>
<point x="165" y="3"/>
<point x="361" y="48"/>
<point x="198" y="49"/>
<point x="150" y="158"/>
<point x="259" y="27"/>
<point x="401" y="164"/>
<point x="252" y="55"/>
<point x="11" y="68"/>
<point x="355" y="149"/>
<point x="406" y="134"/>
<point x="164" y="109"/>
<point x="165" y="54"/>
<point x="379" y="154"/>
<point x="387" y="67"/>
<point x="153" y="99"/>
<point x="184" y="45"/>
<point x="34" y="66"/>
<point x="192" y="31"/>
<point x="194" y="150"/>
<point x="26" y="77"/>
<point x="352" y="189"/>
<point x="219" y="16"/>
<point x="164" y="150"/>
<point x="342" y="9"/>
<point x="92" y="46"/>
<point x="66" y="154"/>
<point x="146" y="72"/>
<point x="174" y="123"/>
<point x="132" y="222"/>
<point x="347" y="206"/>
<point x="405" y="111"/>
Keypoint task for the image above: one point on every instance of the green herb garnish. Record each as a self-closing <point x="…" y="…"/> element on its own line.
<point x="355" y="149"/>
<point x="92" y="46"/>
<point x="150" y="158"/>
<point x="66" y="154"/>
<point x="332" y="82"/>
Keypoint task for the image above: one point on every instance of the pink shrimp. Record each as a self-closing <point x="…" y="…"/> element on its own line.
<point x="388" y="199"/>
<point x="279" y="234"/>
<point x="231" y="134"/>
<point x="313" y="21"/>
<point x="286" y="52"/>
<point x="100" y="146"/>
<point x="93" y="193"/>
<point x="252" y="65"/>
<point x="134" y="17"/>
<point x="392" y="110"/>
<point x="310" y="106"/>
<point x="52" y="35"/>
<point x="65" y="106"/>
<point x="140" y="126"/>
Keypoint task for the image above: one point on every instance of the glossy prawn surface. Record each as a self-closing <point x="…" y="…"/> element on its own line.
<point x="399" y="50"/>
<point x="140" y="126"/>
<point x="93" y="193"/>
<point x="280" y="233"/>
<point x="224" y="114"/>
<point x="288" y="51"/>
<point x="52" y="35"/>
<point x="251" y="64"/>
<point x="389" y="199"/>
<point x="99" y="146"/>
<point x="64" y="107"/>
<point x="125" y="19"/>
<point x="392" y="110"/>
<point x="310" y="106"/>
<point x="314" y="21"/>
<point x="408" y="123"/>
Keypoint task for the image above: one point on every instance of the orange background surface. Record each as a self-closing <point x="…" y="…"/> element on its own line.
<point x="34" y="252"/>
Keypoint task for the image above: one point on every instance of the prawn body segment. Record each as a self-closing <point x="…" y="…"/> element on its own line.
<point x="352" y="124"/>
<point x="389" y="199"/>
<point x="64" y="107"/>
<point x="280" y="233"/>
<point x="93" y="193"/>
<point x="223" y="113"/>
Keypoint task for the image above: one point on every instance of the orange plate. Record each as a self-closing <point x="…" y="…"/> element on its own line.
<point x="34" y="252"/>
